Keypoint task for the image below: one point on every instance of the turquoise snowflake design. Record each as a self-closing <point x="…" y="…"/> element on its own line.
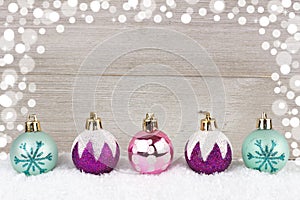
<point x="267" y="158"/>
<point x="33" y="159"/>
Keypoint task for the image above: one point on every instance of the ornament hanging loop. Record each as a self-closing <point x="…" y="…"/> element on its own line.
<point x="150" y="123"/>
<point x="32" y="124"/>
<point x="93" y="123"/>
<point x="208" y="123"/>
<point x="264" y="122"/>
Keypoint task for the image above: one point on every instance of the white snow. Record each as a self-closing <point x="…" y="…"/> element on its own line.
<point x="179" y="182"/>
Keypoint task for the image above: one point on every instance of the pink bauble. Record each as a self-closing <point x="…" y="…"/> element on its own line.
<point x="150" y="152"/>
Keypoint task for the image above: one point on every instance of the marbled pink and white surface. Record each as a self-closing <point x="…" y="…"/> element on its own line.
<point x="150" y="152"/>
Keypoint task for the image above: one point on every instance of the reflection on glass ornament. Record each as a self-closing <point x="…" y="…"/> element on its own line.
<point x="208" y="150"/>
<point x="33" y="152"/>
<point x="95" y="150"/>
<point x="265" y="149"/>
<point x="150" y="151"/>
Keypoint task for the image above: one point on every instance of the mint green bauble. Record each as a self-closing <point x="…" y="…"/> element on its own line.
<point x="265" y="150"/>
<point x="33" y="152"/>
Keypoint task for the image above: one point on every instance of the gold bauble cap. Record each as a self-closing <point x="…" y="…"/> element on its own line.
<point x="264" y="122"/>
<point x="150" y="123"/>
<point x="32" y="124"/>
<point x="93" y="123"/>
<point x="208" y="123"/>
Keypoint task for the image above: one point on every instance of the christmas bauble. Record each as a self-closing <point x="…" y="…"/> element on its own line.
<point x="265" y="149"/>
<point x="150" y="151"/>
<point x="95" y="150"/>
<point x="33" y="152"/>
<point x="208" y="152"/>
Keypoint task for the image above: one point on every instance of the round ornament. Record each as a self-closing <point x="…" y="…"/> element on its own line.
<point x="33" y="152"/>
<point x="208" y="150"/>
<point x="265" y="149"/>
<point x="95" y="150"/>
<point x="150" y="151"/>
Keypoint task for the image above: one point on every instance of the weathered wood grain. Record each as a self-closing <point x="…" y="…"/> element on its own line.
<point x="244" y="68"/>
<point x="243" y="105"/>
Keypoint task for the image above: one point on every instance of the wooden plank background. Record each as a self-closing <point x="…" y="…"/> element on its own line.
<point x="244" y="68"/>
